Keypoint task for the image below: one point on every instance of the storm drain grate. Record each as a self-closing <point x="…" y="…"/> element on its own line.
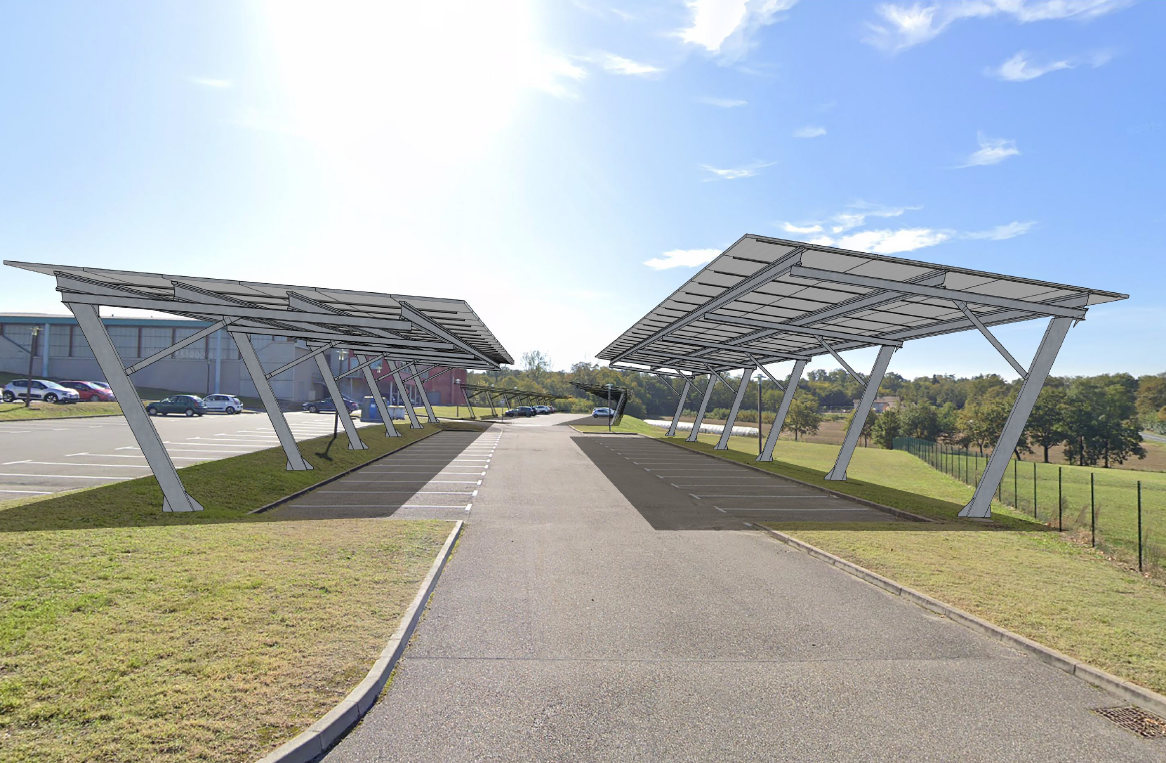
<point x="1136" y="720"/>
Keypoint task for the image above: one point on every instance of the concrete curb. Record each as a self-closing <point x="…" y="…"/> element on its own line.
<point x="335" y="477"/>
<point x="321" y="735"/>
<point x="871" y="504"/>
<point x="1124" y="690"/>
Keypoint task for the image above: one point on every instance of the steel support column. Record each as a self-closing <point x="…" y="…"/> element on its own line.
<point x="679" y="408"/>
<point x="421" y="389"/>
<point x="295" y="461"/>
<point x="404" y="393"/>
<point x="723" y="443"/>
<point x="981" y="504"/>
<point x="176" y="497"/>
<point x="787" y="398"/>
<point x="390" y="430"/>
<point x="354" y="441"/>
<point x="704" y="404"/>
<point x="859" y="421"/>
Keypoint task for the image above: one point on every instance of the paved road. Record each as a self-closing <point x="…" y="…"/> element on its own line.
<point x="567" y="628"/>
<point x="51" y="455"/>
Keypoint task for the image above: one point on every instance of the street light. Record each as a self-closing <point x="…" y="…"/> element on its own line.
<point x="457" y="403"/>
<point x="610" y="413"/>
<point x="31" y="353"/>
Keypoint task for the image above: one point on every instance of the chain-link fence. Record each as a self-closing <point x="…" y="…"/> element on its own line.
<point x="1123" y="513"/>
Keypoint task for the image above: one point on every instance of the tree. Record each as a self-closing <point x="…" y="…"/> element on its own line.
<point x="803" y="416"/>
<point x="982" y="420"/>
<point x="949" y="422"/>
<point x="536" y="363"/>
<point x="919" y="420"/>
<point x="1101" y="422"/>
<point x="1046" y="423"/>
<point x="885" y="428"/>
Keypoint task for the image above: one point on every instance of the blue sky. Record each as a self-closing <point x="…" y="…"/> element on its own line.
<point x="563" y="166"/>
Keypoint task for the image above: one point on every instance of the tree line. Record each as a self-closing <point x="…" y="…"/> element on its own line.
<point x="1098" y="419"/>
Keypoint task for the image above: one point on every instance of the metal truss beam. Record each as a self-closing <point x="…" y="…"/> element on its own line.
<point x="1042" y="363"/>
<point x="775" y="269"/>
<point x="846" y="366"/>
<point x="1037" y="308"/>
<point x="186" y="342"/>
<point x="1000" y="348"/>
<point x="723" y="443"/>
<point x="354" y="441"/>
<point x="404" y="393"/>
<point x="410" y="313"/>
<point x="679" y="408"/>
<point x="295" y="460"/>
<point x="765" y="371"/>
<point x="382" y="408"/>
<point x="704" y="404"/>
<point x="175" y="496"/>
<point x="711" y="347"/>
<point x="292" y="364"/>
<point x="882" y="360"/>
<point x="374" y="343"/>
<point x="787" y="398"/>
<point x="421" y="391"/>
<point x="771" y="327"/>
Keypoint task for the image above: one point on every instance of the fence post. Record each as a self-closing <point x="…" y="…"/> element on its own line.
<point x="1060" y="504"/>
<point x="1092" y="514"/>
<point x="1015" y="489"/>
<point x="1139" y="525"/>
<point x="1034" y="516"/>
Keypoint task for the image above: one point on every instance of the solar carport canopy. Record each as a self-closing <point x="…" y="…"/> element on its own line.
<point x="423" y="329"/>
<point x="769" y="300"/>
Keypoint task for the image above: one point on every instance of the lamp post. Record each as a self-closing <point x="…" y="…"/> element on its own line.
<point x="610" y="413"/>
<point x="31" y="353"/>
<point x="340" y="355"/>
<point x="457" y="403"/>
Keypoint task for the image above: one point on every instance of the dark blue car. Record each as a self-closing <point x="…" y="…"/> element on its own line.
<point x="326" y="406"/>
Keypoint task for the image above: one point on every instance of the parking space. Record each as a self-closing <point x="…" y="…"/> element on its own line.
<point x="49" y="456"/>
<point x="677" y="489"/>
<point x="435" y="478"/>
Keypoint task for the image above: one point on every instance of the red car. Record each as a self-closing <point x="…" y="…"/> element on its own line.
<point x="90" y="391"/>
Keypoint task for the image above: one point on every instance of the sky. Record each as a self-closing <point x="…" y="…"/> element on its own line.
<point x="564" y="166"/>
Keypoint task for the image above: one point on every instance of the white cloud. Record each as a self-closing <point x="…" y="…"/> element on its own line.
<point x="810" y="131"/>
<point x="1020" y="69"/>
<point x="725" y="27"/>
<point x="209" y="82"/>
<point x="889" y="241"/>
<point x="1002" y="232"/>
<point x="614" y="64"/>
<point x="555" y="75"/>
<point x="735" y="173"/>
<point x="683" y="258"/>
<point x="992" y="151"/>
<point x="724" y="103"/>
<point x="904" y="26"/>
<point x="791" y="228"/>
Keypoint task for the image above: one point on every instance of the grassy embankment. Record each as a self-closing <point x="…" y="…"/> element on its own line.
<point x="132" y="635"/>
<point x="1012" y="571"/>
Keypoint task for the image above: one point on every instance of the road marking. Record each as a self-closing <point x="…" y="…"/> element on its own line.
<point x="10" y="463"/>
<point x="737" y="495"/>
<point x="29" y="492"/>
<point x="410" y="492"/>
<point x="74" y="463"/>
<point x="64" y="476"/>
<point x="733" y="508"/>
<point x="421" y="482"/>
<point x="125" y="455"/>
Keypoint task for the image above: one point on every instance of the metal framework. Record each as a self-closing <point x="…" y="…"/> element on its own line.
<point x="510" y="397"/>
<point x="375" y="327"/>
<point x="767" y="300"/>
<point x="604" y="392"/>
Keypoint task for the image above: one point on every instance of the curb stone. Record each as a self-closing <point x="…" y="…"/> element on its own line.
<point x="321" y="735"/>
<point x="871" y="504"/>
<point x="1122" y="689"/>
<point x="335" y="477"/>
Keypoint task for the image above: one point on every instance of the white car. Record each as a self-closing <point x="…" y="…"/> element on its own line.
<point x="42" y="389"/>
<point x="227" y="404"/>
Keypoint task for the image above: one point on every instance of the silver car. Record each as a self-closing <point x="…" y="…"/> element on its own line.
<point x="223" y="403"/>
<point x="42" y="389"/>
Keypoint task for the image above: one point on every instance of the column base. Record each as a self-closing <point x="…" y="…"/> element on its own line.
<point x="192" y="505"/>
<point x="831" y="476"/>
<point x="973" y="513"/>
<point x="361" y="446"/>
<point x="303" y="467"/>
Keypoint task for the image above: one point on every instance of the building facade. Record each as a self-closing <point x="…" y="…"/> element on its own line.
<point x="210" y="365"/>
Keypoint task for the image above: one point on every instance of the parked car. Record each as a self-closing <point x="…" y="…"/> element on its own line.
<point x="542" y="409"/>
<point x="42" y="389"/>
<point x="606" y="413"/>
<point x="90" y="391"/>
<point x="326" y="406"/>
<point x="522" y="410"/>
<point x="190" y="405"/>
<point x="221" y="403"/>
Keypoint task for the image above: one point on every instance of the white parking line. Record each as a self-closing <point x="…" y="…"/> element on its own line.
<point x="73" y="463"/>
<point x="410" y="492"/>
<point x="29" y="492"/>
<point x="737" y="495"/>
<point x="731" y="508"/>
<point x="64" y="476"/>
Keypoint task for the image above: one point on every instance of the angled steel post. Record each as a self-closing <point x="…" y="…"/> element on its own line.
<point x="723" y="443"/>
<point x="421" y="390"/>
<point x="354" y="441"/>
<point x="295" y="461"/>
<point x="623" y="399"/>
<point x="704" y="403"/>
<point x="787" y="398"/>
<point x="176" y="497"/>
<point x="981" y="504"/>
<point x="390" y="430"/>
<point x="679" y="407"/>
<point x="859" y="421"/>
<point x="404" y="393"/>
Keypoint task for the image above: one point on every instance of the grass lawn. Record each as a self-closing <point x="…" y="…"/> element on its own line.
<point x="131" y="635"/>
<point x="15" y="411"/>
<point x="1012" y="571"/>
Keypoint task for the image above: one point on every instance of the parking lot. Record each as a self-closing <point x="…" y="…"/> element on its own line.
<point x="52" y="455"/>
